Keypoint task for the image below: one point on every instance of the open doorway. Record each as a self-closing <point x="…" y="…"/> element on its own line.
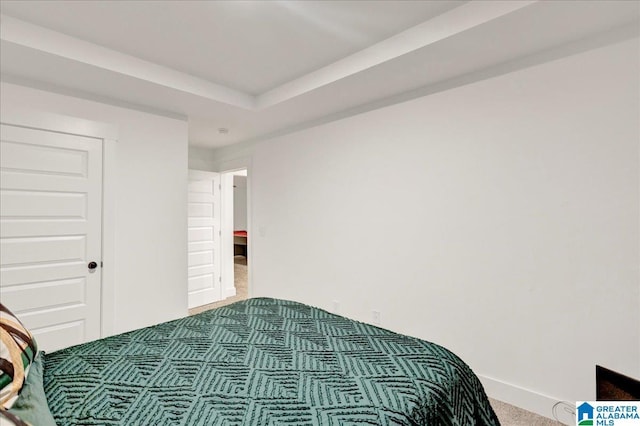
<point x="234" y="239"/>
<point x="240" y="233"/>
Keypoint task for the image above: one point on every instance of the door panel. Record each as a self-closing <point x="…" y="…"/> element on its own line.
<point x="31" y="250"/>
<point x="204" y="238"/>
<point x="29" y="155"/>
<point x="199" y="258"/>
<point x="46" y="294"/>
<point x="50" y="229"/>
<point x="43" y="205"/>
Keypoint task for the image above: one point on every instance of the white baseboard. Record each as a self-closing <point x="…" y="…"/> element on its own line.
<point x="525" y="399"/>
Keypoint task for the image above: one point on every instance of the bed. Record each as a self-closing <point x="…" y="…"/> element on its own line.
<point x="262" y="362"/>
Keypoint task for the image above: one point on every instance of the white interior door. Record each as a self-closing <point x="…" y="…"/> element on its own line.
<point x="204" y="238"/>
<point x="50" y="230"/>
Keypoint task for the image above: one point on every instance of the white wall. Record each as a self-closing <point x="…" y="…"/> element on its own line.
<point x="240" y="202"/>
<point x="150" y="184"/>
<point x="200" y="158"/>
<point x="499" y="219"/>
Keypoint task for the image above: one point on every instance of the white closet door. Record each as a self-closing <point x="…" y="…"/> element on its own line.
<point x="50" y="232"/>
<point x="204" y="238"/>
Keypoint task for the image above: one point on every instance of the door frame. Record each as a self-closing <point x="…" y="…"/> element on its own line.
<point x="225" y="169"/>
<point x="108" y="133"/>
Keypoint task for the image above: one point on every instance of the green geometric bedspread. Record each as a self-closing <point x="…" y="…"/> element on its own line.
<point x="263" y="362"/>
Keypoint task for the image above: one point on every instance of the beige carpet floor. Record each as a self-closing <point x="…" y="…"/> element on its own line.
<point x="508" y="415"/>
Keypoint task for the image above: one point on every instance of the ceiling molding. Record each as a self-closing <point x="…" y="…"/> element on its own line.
<point x="35" y="37"/>
<point x="67" y="91"/>
<point x="472" y="41"/>
<point x="448" y="24"/>
<point x="616" y="35"/>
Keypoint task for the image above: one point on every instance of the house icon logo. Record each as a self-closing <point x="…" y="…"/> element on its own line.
<point x="585" y="414"/>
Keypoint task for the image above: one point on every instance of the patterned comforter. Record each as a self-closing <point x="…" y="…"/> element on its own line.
<point x="263" y="362"/>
